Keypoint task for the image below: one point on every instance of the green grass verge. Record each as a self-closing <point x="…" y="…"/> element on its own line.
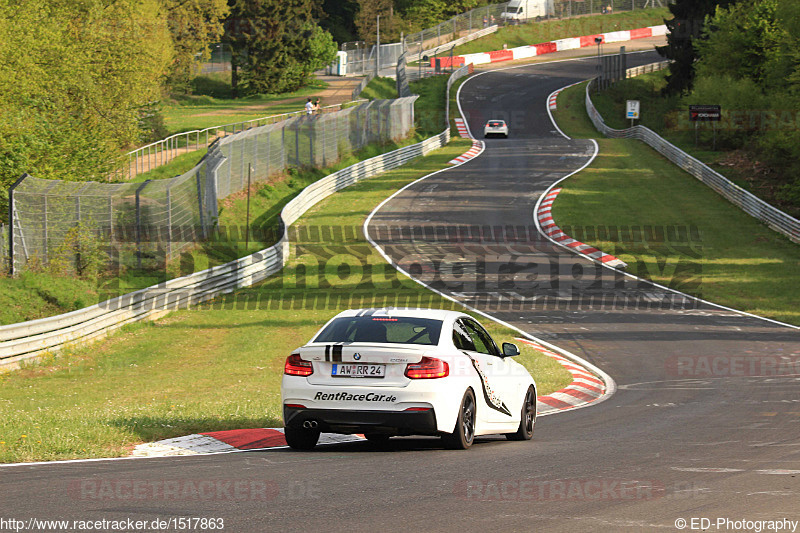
<point x="380" y="89"/>
<point x="662" y="114"/>
<point x="220" y="367"/>
<point x="429" y="107"/>
<point x="738" y="262"/>
<point x="540" y="32"/>
<point x="176" y="167"/>
<point x="35" y="294"/>
<point x="195" y="112"/>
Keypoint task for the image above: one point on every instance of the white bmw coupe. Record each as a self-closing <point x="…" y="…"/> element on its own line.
<point x="392" y="371"/>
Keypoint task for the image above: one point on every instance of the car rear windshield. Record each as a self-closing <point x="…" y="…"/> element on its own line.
<point x="382" y="329"/>
<point x="495" y="124"/>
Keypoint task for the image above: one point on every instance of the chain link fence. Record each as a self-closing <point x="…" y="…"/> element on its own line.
<point x="161" y="152"/>
<point x="142" y="225"/>
<point x="362" y="58"/>
<point x="4" y="247"/>
<point x="575" y="8"/>
<point x="455" y="28"/>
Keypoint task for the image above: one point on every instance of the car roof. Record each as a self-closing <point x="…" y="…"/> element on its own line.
<point x="436" y="314"/>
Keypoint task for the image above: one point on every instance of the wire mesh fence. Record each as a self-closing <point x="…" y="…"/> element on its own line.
<point x="159" y="153"/>
<point x="362" y="58"/>
<point x="143" y="225"/>
<point x="4" y="247"/>
<point x="455" y="28"/>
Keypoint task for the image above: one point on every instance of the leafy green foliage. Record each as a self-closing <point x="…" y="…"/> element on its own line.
<point x="750" y="64"/>
<point x="276" y="45"/>
<point x="73" y="77"/>
<point x="80" y="252"/>
<point x="391" y="24"/>
<point x="194" y="25"/>
<point x="339" y="19"/>
<point x="685" y="29"/>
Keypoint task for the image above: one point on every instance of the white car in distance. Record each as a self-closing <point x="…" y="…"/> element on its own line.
<point x="391" y="371"/>
<point x="495" y="127"/>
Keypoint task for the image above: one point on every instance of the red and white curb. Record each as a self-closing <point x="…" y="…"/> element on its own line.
<point x="551" y="102"/>
<point x="461" y="126"/>
<point x="228" y="441"/>
<point x="551" y="229"/>
<point x="584" y="389"/>
<point x="572" y="43"/>
<point x="477" y="148"/>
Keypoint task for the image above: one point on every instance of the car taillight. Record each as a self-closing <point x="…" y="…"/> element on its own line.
<point x="428" y="368"/>
<point x="297" y="367"/>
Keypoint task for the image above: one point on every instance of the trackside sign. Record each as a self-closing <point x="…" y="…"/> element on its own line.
<point x="705" y="113"/>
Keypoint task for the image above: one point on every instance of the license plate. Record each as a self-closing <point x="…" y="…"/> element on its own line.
<point x="358" y="371"/>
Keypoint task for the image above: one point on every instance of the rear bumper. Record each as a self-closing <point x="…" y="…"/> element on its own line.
<point x="364" y="421"/>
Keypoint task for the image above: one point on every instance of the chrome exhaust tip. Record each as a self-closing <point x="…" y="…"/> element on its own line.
<point x="310" y="424"/>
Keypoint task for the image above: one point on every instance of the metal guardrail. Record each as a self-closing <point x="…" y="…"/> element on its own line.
<point x="458" y="42"/>
<point x="749" y="203"/>
<point x="28" y="340"/>
<point x="161" y="152"/>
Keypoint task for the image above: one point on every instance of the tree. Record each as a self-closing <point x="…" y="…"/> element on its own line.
<point x="339" y="19"/>
<point x="746" y="41"/>
<point x="275" y="45"/>
<point x="685" y="30"/>
<point x="194" y="25"/>
<point x="73" y="78"/>
<point x="367" y="21"/>
<point x="421" y="14"/>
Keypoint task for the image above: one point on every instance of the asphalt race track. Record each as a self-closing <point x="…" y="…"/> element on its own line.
<point x="674" y="442"/>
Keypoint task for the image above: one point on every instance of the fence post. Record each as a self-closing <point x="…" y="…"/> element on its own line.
<point x="200" y="206"/>
<point x="111" y="228"/>
<point x="11" y="220"/>
<point x="139" y="224"/>
<point x="324" y="145"/>
<point x="169" y="224"/>
<point x="311" y="130"/>
<point x="297" y="143"/>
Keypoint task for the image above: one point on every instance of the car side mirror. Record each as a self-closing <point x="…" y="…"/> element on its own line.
<point x="510" y="350"/>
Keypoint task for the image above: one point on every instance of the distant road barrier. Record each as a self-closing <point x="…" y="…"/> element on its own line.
<point x="748" y="202"/>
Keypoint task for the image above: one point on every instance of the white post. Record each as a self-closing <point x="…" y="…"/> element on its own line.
<point x="378" y="50"/>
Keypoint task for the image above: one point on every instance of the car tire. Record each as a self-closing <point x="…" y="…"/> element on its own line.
<point x="301" y="438"/>
<point x="464" y="433"/>
<point x="527" y="419"/>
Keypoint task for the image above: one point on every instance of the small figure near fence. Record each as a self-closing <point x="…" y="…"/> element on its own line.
<point x="309" y="107"/>
<point x="317" y="106"/>
<point x="485" y="21"/>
